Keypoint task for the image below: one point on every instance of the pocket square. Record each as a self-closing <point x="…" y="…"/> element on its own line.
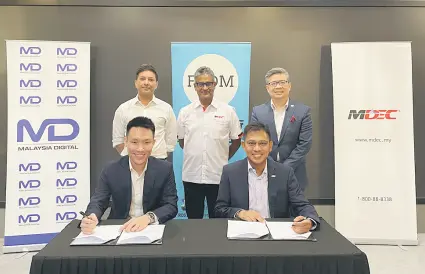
<point x="273" y="176"/>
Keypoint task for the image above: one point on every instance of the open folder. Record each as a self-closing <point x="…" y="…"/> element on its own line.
<point x="150" y="235"/>
<point x="242" y="230"/>
<point x="111" y="235"/>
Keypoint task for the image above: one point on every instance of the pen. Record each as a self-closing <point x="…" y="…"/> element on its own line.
<point x="299" y="221"/>
<point x="84" y="215"/>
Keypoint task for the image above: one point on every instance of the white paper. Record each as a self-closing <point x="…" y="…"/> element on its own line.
<point x="284" y="231"/>
<point x="148" y="235"/>
<point x="100" y="235"/>
<point x="246" y="230"/>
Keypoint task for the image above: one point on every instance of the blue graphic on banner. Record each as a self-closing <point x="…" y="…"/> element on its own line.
<point x="231" y="65"/>
<point x="31" y="239"/>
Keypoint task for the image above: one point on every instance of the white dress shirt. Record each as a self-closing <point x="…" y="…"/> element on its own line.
<point x="279" y="117"/>
<point x="258" y="191"/>
<point x="137" y="185"/>
<point x="206" y="134"/>
<point x="162" y="115"/>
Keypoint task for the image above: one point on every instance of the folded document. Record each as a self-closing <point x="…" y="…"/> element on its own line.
<point x="257" y="230"/>
<point x="108" y="233"/>
<point x="101" y="234"/>
<point x="284" y="231"/>
<point x="246" y="230"/>
<point x="149" y="235"/>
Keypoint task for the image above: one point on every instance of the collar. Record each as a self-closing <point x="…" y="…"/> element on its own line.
<point x="131" y="167"/>
<point x="274" y="108"/>
<point x="137" y="101"/>
<point x="253" y="169"/>
<point x="214" y="103"/>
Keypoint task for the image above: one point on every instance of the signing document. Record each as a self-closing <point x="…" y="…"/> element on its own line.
<point x="151" y="234"/>
<point x="101" y="235"/>
<point x="256" y="230"/>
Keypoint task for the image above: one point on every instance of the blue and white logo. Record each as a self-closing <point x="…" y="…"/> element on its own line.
<point x="226" y="77"/>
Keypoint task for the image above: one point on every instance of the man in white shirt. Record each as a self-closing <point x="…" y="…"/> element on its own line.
<point x="204" y="130"/>
<point x="142" y="187"/>
<point x="289" y="122"/>
<point x="147" y="105"/>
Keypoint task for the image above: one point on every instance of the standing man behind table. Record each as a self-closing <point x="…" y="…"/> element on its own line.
<point x="289" y="122"/>
<point x="147" y="105"/>
<point x="204" y="130"/>
<point x="142" y="187"/>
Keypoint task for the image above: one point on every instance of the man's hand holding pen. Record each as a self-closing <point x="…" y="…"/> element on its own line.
<point x="88" y="223"/>
<point x="302" y="224"/>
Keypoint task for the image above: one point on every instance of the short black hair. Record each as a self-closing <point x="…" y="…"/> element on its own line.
<point x="143" y="122"/>
<point x="146" y="67"/>
<point x="256" y="126"/>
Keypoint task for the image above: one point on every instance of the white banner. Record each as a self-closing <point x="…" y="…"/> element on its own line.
<point x="48" y="147"/>
<point x="375" y="197"/>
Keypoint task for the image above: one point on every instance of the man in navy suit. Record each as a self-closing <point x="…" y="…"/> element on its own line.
<point x="257" y="188"/>
<point x="289" y="123"/>
<point x="142" y="187"/>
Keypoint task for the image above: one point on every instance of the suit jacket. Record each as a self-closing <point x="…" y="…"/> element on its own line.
<point x="283" y="192"/>
<point x="159" y="191"/>
<point x="295" y="138"/>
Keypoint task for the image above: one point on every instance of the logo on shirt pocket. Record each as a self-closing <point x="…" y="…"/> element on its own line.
<point x="220" y="119"/>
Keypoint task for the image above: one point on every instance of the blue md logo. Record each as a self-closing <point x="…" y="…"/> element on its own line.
<point x="66" y="100"/>
<point x="30" y="167"/>
<point x="50" y="125"/>
<point x="66" y="84"/>
<point x="29" y="185"/>
<point x="29" y="219"/>
<point x="30" y="51"/>
<point x="66" y="199"/>
<point x="30" y="67"/>
<point x="29" y="201"/>
<point x="30" y="100"/>
<point x="66" y="166"/>
<point x="29" y="84"/>
<point x="66" y="216"/>
<point x="66" y="68"/>
<point x="66" y="183"/>
<point x="66" y="52"/>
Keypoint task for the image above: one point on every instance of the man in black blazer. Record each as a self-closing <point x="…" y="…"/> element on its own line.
<point x="257" y="187"/>
<point x="142" y="187"/>
<point x="290" y="124"/>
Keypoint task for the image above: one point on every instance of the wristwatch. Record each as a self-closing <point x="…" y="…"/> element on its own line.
<point x="151" y="216"/>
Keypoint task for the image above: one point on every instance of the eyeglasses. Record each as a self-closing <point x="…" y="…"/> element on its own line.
<point x="261" y="144"/>
<point x="275" y="84"/>
<point x="204" y="84"/>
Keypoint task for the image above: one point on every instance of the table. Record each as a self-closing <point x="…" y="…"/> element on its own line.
<point x="201" y="246"/>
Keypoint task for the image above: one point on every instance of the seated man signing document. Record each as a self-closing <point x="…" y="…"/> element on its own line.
<point x="142" y="187"/>
<point x="257" y="187"/>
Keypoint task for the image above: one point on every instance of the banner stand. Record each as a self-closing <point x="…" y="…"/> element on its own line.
<point x="375" y="194"/>
<point x="48" y="143"/>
